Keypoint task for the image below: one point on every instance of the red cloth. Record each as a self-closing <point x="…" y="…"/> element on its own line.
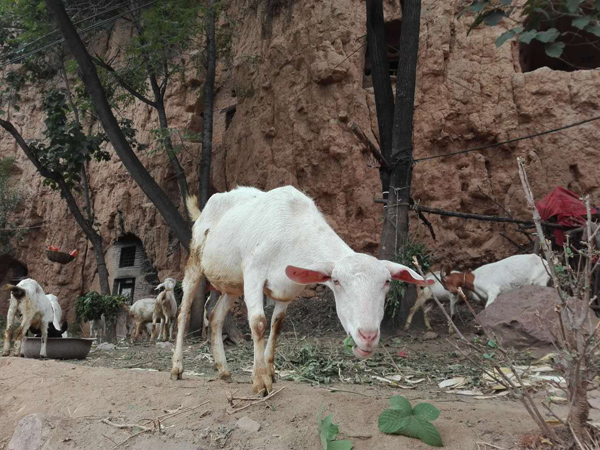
<point x="566" y="207"/>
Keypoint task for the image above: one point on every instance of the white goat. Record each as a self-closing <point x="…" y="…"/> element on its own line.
<point x="425" y="298"/>
<point x="165" y="310"/>
<point x="490" y="280"/>
<point x="248" y="242"/>
<point x="28" y="299"/>
<point x="141" y="313"/>
<point x="98" y="328"/>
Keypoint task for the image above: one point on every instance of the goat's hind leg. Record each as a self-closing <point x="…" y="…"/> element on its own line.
<point x="276" y="325"/>
<point x="253" y="296"/>
<point x="217" y="318"/>
<point x="8" y="333"/>
<point x="43" y="353"/>
<point x="191" y="281"/>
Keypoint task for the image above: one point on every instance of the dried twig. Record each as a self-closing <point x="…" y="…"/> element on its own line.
<point x="272" y="394"/>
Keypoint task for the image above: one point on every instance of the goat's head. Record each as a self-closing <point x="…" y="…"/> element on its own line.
<point x="15" y="291"/>
<point x="453" y="281"/>
<point x="359" y="283"/>
<point x="169" y="284"/>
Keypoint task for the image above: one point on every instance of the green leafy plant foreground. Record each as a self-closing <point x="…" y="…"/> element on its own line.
<point x="328" y="431"/>
<point x="415" y="422"/>
<point x="92" y="306"/>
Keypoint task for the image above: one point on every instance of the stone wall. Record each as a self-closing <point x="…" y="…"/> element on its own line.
<point x="296" y="87"/>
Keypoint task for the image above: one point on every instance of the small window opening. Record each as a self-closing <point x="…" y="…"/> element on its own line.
<point x="581" y="52"/>
<point x="127" y="258"/>
<point x="392" y="39"/>
<point x="125" y="287"/>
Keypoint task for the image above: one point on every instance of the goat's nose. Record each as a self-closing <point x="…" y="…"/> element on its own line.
<point x="368" y="335"/>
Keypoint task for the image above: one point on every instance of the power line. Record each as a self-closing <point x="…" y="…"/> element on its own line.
<point x="74" y="23"/>
<point x="498" y="144"/>
<point x="85" y="30"/>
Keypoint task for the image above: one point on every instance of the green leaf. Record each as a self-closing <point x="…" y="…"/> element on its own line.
<point x="426" y="411"/>
<point x="492" y="344"/>
<point x="478" y="6"/>
<point x="547" y="36"/>
<point x="594" y="29"/>
<point x="581" y="22"/>
<point x="389" y="421"/>
<point x="506" y="2"/>
<point x="17" y="108"/>
<point x="504" y="37"/>
<point x="494" y="17"/>
<point x="410" y="427"/>
<point x="555" y="49"/>
<point x="401" y="404"/>
<point x="527" y="36"/>
<point x="573" y="5"/>
<point x="429" y="434"/>
<point x="339" y="445"/>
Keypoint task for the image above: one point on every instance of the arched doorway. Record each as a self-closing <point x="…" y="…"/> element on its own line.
<point x="11" y="272"/>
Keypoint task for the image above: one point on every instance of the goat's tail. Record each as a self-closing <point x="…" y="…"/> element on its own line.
<point x="192" y="206"/>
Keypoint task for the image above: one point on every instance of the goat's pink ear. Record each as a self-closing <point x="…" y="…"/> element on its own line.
<point x="306" y="276"/>
<point x="403" y="273"/>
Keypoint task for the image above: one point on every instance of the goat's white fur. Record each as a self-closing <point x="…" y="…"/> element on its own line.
<point x="141" y="313"/>
<point x="425" y="296"/>
<point x="28" y="300"/>
<point x="245" y="241"/>
<point x="165" y="310"/>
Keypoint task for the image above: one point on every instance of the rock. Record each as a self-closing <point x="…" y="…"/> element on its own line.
<point x="29" y="433"/>
<point x="430" y="335"/>
<point x="106" y="346"/>
<point x="523" y="317"/>
<point x="248" y="425"/>
<point x="165" y="345"/>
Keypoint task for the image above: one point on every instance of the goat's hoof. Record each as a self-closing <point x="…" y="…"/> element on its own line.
<point x="262" y="382"/>
<point x="176" y="373"/>
<point x="6" y="353"/>
<point x="225" y="376"/>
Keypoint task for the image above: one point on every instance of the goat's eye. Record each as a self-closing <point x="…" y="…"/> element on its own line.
<point x="387" y="283"/>
<point x="336" y="282"/>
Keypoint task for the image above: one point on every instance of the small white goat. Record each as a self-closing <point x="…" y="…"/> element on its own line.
<point x="165" y="310"/>
<point x="490" y="280"/>
<point x="98" y="328"/>
<point x="28" y="299"/>
<point x="425" y="298"/>
<point x="248" y="242"/>
<point x="141" y="313"/>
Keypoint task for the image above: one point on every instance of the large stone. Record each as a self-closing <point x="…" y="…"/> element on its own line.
<point x="524" y="317"/>
<point x="248" y="425"/>
<point x="29" y="433"/>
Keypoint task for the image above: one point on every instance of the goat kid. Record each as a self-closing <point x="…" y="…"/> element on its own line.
<point x="141" y="313"/>
<point x="165" y="310"/>
<point x="491" y="280"/>
<point x="249" y="242"/>
<point x="28" y="299"/>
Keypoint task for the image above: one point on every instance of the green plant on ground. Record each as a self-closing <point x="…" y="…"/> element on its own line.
<point x="328" y="431"/>
<point x="403" y="419"/>
<point x="398" y="289"/>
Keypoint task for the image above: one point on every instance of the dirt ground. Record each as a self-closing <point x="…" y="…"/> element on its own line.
<point x="130" y="384"/>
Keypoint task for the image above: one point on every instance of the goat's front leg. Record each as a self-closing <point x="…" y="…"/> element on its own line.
<point x="191" y="282"/>
<point x="253" y="296"/>
<point x="492" y="293"/>
<point x="154" y="334"/>
<point x="276" y="324"/>
<point x="8" y="333"/>
<point x="43" y="353"/>
<point x="217" y="319"/>
<point x="20" y="335"/>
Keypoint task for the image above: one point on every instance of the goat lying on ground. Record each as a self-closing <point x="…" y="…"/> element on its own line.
<point x="490" y="280"/>
<point x="141" y="314"/>
<point x="28" y="299"/>
<point x="248" y="242"/>
<point x="165" y="310"/>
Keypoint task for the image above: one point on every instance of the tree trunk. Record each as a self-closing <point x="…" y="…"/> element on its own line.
<point x="94" y="88"/>
<point x="382" y="84"/>
<point x="197" y="315"/>
<point x="209" y="95"/>
<point x="168" y="143"/>
<point x="395" y="227"/>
